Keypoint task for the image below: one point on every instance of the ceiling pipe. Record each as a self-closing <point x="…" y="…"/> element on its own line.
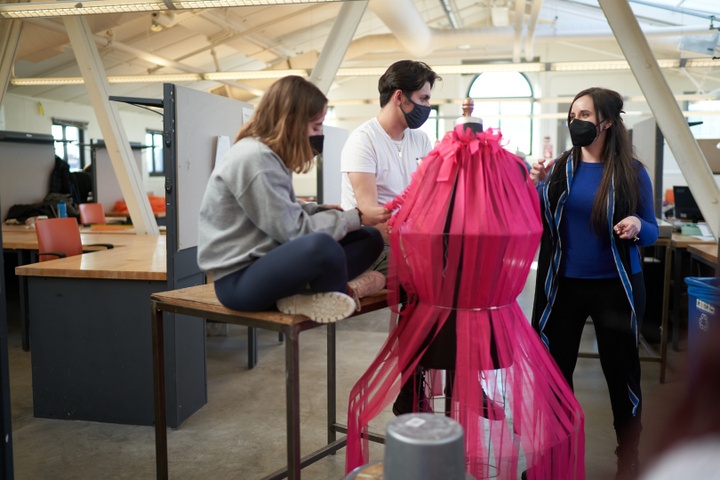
<point x="404" y="20"/>
<point x="498" y="36"/>
<point x="531" y="26"/>
<point x="518" y="20"/>
<point x="414" y="35"/>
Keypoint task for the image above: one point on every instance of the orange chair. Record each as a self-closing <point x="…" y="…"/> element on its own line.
<point x="57" y="238"/>
<point x="60" y="238"/>
<point x="92" y="213"/>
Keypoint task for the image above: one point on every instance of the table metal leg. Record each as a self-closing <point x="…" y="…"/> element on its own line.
<point x="292" y="398"/>
<point x="331" y="381"/>
<point x="252" y="348"/>
<point x="23" y="258"/>
<point x="677" y="288"/>
<point x="158" y="341"/>
<point x="665" y="313"/>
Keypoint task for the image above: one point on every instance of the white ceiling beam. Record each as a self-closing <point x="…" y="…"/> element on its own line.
<point x="336" y="44"/>
<point x="142" y="54"/>
<point x="667" y="113"/>
<point x="531" y="26"/>
<point x="101" y="7"/>
<point x="108" y="117"/>
<point x="9" y="39"/>
<point x="518" y="22"/>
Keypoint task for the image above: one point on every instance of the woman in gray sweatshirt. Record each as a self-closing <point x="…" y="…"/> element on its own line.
<point x="261" y="245"/>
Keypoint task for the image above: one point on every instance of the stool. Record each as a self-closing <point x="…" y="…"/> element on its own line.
<point x="200" y="301"/>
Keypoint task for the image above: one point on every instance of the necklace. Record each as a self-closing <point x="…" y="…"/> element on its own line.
<point x="399" y="146"/>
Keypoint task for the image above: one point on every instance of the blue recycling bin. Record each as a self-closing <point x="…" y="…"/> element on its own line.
<point x="703" y="313"/>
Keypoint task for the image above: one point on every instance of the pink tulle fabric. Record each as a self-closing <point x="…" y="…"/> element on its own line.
<point x="462" y="242"/>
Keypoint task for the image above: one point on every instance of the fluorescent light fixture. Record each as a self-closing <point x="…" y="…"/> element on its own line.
<point x="33" y="82"/>
<point x="610" y="65"/>
<point x="159" y="78"/>
<point x="93" y="7"/>
<point x="702" y="62"/>
<point x="467" y="69"/>
<point x="254" y="75"/>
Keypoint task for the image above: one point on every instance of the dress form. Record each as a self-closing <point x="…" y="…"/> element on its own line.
<point x="462" y="240"/>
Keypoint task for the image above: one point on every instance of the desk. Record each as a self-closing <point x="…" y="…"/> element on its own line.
<point x="200" y="301"/>
<point x="707" y="254"/>
<point x="91" y="345"/>
<point x="679" y="245"/>
<point x="22" y="240"/>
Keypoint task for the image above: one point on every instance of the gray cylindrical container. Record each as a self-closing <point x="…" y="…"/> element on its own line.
<point x="423" y="446"/>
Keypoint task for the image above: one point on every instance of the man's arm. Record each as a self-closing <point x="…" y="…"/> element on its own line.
<point x="365" y="189"/>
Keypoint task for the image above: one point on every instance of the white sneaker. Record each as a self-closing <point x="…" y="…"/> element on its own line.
<point x="327" y="307"/>
<point x="366" y="284"/>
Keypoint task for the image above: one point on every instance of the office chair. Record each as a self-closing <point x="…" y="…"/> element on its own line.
<point x="92" y="213"/>
<point x="60" y="238"/>
<point x="57" y="238"/>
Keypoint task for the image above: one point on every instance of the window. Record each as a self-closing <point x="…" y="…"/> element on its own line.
<point x="707" y="113"/>
<point x="154" y="153"/>
<point x="430" y="127"/>
<point x="70" y="142"/>
<point x="509" y="108"/>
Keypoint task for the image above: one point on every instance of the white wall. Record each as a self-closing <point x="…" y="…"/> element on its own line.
<point x="23" y="114"/>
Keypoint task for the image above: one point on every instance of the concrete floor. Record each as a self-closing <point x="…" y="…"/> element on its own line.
<point x="240" y="433"/>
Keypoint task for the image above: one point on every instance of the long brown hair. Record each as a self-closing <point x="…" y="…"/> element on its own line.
<point x="621" y="166"/>
<point x="281" y="120"/>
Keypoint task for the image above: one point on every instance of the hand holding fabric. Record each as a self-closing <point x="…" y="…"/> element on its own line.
<point x="372" y="216"/>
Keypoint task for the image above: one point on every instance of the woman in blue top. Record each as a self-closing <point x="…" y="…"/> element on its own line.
<point x="597" y="208"/>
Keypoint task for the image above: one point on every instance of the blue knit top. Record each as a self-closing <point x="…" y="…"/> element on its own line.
<point x="584" y="253"/>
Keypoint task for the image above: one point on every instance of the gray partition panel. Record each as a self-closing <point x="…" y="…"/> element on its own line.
<point x="26" y="164"/>
<point x="329" y="176"/>
<point x="200" y="118"/>
<point x="107" y="188"/>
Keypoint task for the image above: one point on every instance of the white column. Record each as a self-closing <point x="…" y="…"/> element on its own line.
<point x="9" y="39"/>
<point x="667" y="112"/>
<point x="116" y="141"/>
<point x="336" y="44"/>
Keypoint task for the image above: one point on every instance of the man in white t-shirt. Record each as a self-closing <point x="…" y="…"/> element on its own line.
<point x="380" y="156"/>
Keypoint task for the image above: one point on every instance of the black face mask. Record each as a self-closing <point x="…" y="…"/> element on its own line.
<point x="583" y="133"/>
<point x="316" y="143"/>
<point x="417" y="116"/>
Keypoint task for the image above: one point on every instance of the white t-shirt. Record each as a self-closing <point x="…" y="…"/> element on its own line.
<point x="369" y="149"/>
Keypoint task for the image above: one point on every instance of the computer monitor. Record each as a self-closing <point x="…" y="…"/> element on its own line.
<point x="686" y="208"/>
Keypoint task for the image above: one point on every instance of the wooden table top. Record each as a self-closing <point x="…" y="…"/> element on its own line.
<point x="202" y="298"/>
<point x="682" y="241"/>
<point x="707" y="251"/>
<point x="135" y="257"/>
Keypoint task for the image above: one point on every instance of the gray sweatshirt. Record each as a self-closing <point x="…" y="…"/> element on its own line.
<point x="249" y="208"/>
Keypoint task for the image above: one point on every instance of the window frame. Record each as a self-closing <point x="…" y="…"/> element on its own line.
<point x="479" y="100"/>
<point x="151" y="149"/>
<point x="64" y="141"/>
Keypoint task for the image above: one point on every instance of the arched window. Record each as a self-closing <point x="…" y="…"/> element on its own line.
<point x="504" y="100"/>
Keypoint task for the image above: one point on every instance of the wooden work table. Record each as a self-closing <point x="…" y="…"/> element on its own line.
<point x="705" y="252"/>
<point x="135" y="257"/>
<point x="89" y="336"/>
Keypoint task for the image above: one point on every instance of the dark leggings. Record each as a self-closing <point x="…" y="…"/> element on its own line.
<point x="315" y="261"/>
<point x="605" y="301"/>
